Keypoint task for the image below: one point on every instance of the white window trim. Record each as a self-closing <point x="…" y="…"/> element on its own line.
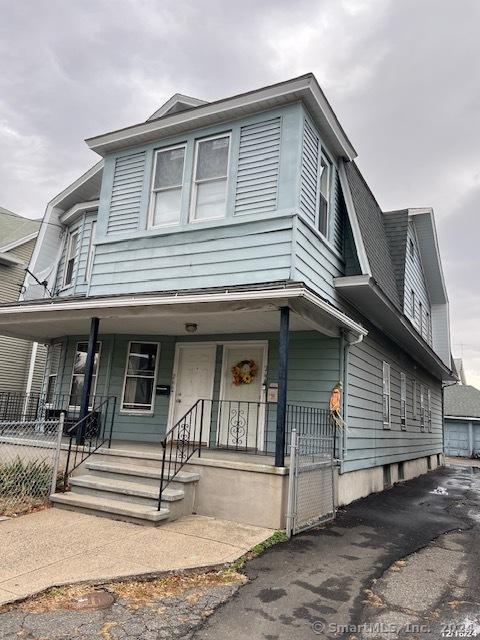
<point x="414" y="400"/>
<point x="193" y="199"/>
<point x="403" y="401"/>
<point x="91" y="249"/>
<point x="71" y="234"/>
<point x="153" y="191"/>
<point x="93" y="390"/>
<point x="140" y="412"/>
<point x="324" y="155"/>
<point x="386" y="367"/>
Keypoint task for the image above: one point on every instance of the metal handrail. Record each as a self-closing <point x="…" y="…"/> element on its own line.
<point x="181" y="444"/>
<point x="89" y="442"/>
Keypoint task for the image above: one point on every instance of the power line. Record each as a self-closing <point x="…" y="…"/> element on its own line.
<point x="13" y="215"/>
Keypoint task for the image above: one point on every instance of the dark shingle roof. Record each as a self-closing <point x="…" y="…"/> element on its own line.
<point x="372" y="227"/>
<point x="396" y="228"/>
<point x="462" y="400"/>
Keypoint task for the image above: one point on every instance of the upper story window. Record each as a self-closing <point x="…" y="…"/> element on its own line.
<point x="420" y="313"/>
<point x="386" y="396"/>
<point x="91" y="246"/>
<point x="210" y="172"/>
<point x="70" y="258"/>
<point x="428" y="320"/>
<point x="168" y="177"/>
<point x="324" y="207"/>
<point x="411" y="249"/>
<point x="413" y="309"/>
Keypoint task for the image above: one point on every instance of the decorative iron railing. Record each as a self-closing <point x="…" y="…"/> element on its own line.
<point x="90" y="433"/>
<point x="235" y="425"/>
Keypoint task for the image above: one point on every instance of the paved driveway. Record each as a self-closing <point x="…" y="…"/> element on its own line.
<point x="319" y="584"/>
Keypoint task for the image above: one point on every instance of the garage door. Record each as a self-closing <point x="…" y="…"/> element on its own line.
<point x="456" y="439"/>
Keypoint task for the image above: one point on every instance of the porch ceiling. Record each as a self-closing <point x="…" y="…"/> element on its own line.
<point x="214" y="313"/>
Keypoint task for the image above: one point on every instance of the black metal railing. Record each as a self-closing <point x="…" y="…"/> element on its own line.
<point x="90" y="433"/>
<point x="236" y="425"/>
<point x="180" y="443"/>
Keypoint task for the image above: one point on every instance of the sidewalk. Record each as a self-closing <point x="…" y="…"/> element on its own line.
<point x="55" y="547"/>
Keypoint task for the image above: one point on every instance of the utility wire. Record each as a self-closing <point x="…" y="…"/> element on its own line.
<point x="13" y="215"/>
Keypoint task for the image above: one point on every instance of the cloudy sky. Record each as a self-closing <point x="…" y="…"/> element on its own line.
<point x="402" y="76"/>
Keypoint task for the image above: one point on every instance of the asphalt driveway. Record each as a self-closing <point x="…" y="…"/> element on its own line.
<point x="322" y="584"/>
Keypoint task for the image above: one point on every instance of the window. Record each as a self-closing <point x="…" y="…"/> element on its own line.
<point x="403" y="401"/>
<point x="91" y="246"/>
<point x="414" y="399"/>
<point x="420" y="313"/>
<point x="325" y="178"/>
<point x="422" y="408"/>
<point x="167" y="186"/>
<point x="54" y="354"/>
<point x="386" y="395"/>
<point x="413" y="305"/>
<point x="70" y="257"/>
<point x="429" y="410"/>
<point x="78" y="375"/>
<point x="428" y="320"/>
<point x="140" y="373"/>
<point x="411" y="247"/>
<point x="210" y="172"/>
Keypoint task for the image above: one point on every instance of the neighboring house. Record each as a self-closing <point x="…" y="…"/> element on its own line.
<point x="21" y="362"/>
<point x="232" y="251"/>
<point x="460" y="370"/>
<point x="462" y="417"/>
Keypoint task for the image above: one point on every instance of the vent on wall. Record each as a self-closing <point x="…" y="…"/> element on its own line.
<point x="258" y="163"/>
<point x="126" y="193"/>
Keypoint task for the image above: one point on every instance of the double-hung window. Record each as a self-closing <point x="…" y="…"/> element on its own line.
<point x="209" y="197"/>
<point x="168" y="177"/>
<point x="324" y="206"/>
<point x="78" y="374"/>
<point x="91" y="247"/>
<point x="403" y="401"/>
<point x="429" y="410"/>
<point x="140" y="377"/>
<point x="420" y="313"/>
<point x="70" y="258"/>
<point x="414" y="400"/>
<point x="422" y="408"/>
<point x="386" y="396"/>
<point x="428" y="320"/>
<point x="54" y="357"/>
<point x="413" y="306"/>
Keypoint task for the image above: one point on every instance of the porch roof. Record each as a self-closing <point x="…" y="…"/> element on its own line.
<point x="214" y="311"/>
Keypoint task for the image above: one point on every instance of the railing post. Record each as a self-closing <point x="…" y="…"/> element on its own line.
<point x="201" y="429"/>
<point x="282" y="387"/>
<point x="164" y="445"/>
<point x="87" y="380"/>
<point x="112" y="420"/>
<point x="56" y="459"/>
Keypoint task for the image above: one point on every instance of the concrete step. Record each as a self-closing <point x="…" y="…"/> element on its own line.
<point x="149" y="475"/>
<point x="114" y="509"/>
<point x="98" y="485"/>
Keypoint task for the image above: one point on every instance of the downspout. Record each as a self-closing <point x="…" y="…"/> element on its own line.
<point x="346" y="343"/>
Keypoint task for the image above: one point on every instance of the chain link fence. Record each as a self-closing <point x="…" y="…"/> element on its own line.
<point x="29" y="462"/>
<point x="311" y="492"/>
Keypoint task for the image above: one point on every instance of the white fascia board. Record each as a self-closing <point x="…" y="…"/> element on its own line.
<point x="352" y="217"/>
<point x="465" y="418"/>
<point x="304" y="87"/>
<point x="19" y="242"/>
<point x="72" y="214"/>
<point x="170" y="301"/>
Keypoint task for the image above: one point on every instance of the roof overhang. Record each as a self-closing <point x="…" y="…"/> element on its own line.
<point x="463" y="418"/>
<point x="215" y="312"/>
<point x="10" y="261"/>
<point x="368" y="298"/>
<point x="304" y="88"/>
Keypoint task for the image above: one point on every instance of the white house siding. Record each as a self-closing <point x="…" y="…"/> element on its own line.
<point x="369" y="444"/>
<point x="415" y="280"/>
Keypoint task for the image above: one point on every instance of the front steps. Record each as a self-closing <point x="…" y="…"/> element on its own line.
<point x="127" y="489"/>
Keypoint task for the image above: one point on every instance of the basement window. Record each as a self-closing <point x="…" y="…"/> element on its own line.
<point x="401" y="471"/>
<point x="387" y="476"/>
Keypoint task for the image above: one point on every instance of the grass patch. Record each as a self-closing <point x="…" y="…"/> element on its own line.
<point x="276" y="538"/>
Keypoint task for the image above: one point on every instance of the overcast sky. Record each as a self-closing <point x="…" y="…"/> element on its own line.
<point x="402" y="76"/>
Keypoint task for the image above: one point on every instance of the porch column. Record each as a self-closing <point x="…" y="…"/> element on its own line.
<point x="87" y="381"/>
<point x="282" y="387"/>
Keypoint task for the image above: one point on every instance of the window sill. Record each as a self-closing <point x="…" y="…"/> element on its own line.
<point x="133" y="412"/>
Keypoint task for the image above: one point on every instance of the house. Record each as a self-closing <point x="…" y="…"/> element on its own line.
<point x="461" y="416"/>
<point x="217" y="273"/>
<point x="21" y="362"/>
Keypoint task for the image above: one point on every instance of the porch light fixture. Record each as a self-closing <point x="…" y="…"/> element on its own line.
<point x="191" y="327"/>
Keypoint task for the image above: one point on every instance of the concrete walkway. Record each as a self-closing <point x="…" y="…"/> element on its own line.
<point x="54" y="547"/>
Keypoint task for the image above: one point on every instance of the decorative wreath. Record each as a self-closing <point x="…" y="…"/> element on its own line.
<point x="244" y="372"/>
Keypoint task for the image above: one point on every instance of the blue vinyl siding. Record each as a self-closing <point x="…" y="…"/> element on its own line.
<point x="313" y="370"/>
<point x="369" y="444"/>
<point x="258" y="167"/>
<point x="126" y="193"/>
<point x="309" y="174"/>
<point x="247" y="253"/>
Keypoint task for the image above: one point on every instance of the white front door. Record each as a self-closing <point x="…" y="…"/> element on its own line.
<point x="194" y="376"/>
<point x="241" y="411"/>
